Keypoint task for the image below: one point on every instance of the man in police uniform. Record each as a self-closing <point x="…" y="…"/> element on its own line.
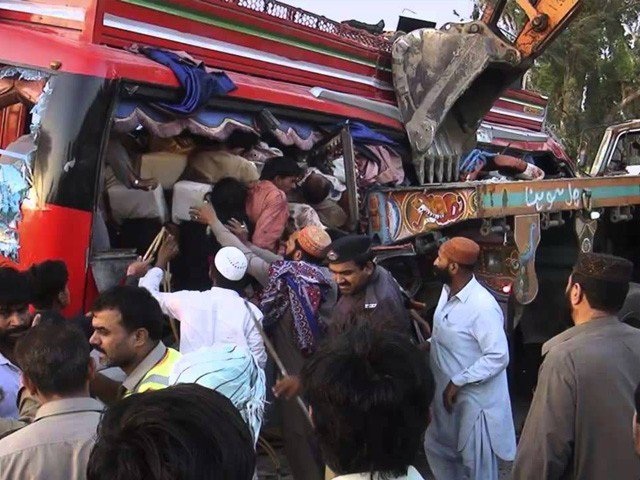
<point x="369" y="293"/>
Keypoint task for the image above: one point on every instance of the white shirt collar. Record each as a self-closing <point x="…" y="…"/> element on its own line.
<point x="463" y="294"/>
<point x="412" y="474"/>
<point x="5" y="361"/>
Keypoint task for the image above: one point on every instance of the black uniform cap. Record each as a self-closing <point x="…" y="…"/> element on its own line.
<point x="350" y="247"/>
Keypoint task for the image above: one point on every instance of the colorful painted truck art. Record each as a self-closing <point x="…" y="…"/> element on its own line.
<point x="400" y="214"/>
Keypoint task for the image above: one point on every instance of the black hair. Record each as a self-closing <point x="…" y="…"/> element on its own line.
<point x="55" y="356"/>
<point x="48" y="280"/>
<point x="370" y="392"/>
<point x="15" y="287"/>
<point x="601" y="294"/>
<point x="81" y="322"/>
<point x="186" y="432"/>
<point x="336" y="233"/>
<point x="137" y="307"/>
<point x="280" y="167"/>
<point x="228" y="198"/>
<point x="306" y="257"/>
<point x="52" y="317"/>
<point x="636" y="397"/>
<point x="242" y="139"/>
<point x="315" y="189"/>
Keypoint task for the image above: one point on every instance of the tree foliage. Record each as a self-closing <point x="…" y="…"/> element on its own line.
<point x="591" y="72"/>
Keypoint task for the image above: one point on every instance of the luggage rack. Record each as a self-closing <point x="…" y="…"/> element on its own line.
<point x="305" y="19"/>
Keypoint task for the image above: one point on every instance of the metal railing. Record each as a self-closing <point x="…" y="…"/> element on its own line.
<point x="301" y="18"/>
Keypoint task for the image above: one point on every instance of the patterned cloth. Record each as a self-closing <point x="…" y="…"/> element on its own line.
<point x="231" y="370"/>
<point x="300" y="288"/>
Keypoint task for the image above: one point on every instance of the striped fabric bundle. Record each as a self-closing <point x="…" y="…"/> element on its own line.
<point x="230" y="370"/>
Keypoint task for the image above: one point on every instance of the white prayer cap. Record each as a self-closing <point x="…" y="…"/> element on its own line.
<point x="231" y="263"/>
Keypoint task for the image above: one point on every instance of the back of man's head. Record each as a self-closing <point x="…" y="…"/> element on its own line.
<point x="54" y="358"/>
<point x="15" y="288"/>
<point x="137" y="308"/>
<point x="49" y="280"/>
<point x="604" y="280"/>
<point x="228" y="199"/>
<point x="280" y="167"/>
<point x="186" y="431"/>
<point x="369" y="392"/>
<point x="316" y="188"/>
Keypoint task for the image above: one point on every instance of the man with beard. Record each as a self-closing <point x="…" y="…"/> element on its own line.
<point x="15" y="320"/>
<point x="127" y="323"/>
<point x="218" y="315"/>
<point x="369" y="293"/>
<point x="297" y="299"/>
<point x="578" y="424"/>
<point x="472" y="425"/>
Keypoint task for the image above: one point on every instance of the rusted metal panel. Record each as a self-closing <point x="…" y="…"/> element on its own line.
<point x="12" y="123"/>
<point x="443" y="91"/>
<point x="350" y="171"/>
<point x="527" y="239"/>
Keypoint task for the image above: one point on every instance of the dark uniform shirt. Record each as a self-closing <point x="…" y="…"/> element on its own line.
<point x="380" y="304"/>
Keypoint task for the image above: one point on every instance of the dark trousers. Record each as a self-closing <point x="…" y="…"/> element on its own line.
<point x="300" y="442"/>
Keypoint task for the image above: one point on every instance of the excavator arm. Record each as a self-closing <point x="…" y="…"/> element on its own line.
<point x="545" y="20"/>
<point x="446" y="80"/>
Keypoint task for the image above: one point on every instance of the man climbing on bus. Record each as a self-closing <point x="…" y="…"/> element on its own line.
<point x="267" y="205"/>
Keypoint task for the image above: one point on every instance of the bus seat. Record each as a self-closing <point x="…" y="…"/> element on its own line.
<point x="165" y="167"/>
<point x="127" y="203"/>
<point x="187" y="194"/>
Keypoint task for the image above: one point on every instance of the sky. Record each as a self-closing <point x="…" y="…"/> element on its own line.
<point x="371" y="11"/>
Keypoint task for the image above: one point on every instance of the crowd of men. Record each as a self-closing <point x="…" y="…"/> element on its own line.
<point x="108" y="395"/>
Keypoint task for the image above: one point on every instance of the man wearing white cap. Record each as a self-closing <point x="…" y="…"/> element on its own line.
<point x="219" y="315"/>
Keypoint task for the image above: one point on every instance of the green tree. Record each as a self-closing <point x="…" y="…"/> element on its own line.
<point x="591" y="72"/>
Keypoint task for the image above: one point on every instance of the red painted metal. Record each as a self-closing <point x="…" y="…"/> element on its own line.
<point x="550" y="146"/>
<point x="55" y="232"/>
<point x="233" y="63"/>
<point x="519" y="108"/>
<point x="12" y="123"/>
<point x="507" y="120"/>
<point x="267" y="27"/>
<point x="38" y="48"/>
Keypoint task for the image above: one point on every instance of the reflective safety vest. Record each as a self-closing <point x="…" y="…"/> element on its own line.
<point x="158" y="377"/>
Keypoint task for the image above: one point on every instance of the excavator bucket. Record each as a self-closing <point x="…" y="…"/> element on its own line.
<point x="447" y="80"/>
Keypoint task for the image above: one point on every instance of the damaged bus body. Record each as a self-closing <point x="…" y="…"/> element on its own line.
<point x="396" y="121"/>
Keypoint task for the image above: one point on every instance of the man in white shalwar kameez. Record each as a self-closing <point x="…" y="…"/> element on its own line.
<point x="472" y="424"/>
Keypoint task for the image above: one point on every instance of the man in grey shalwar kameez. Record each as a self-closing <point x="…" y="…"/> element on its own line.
<point x="578" y="424"/>
<point x="472" y="425"/>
